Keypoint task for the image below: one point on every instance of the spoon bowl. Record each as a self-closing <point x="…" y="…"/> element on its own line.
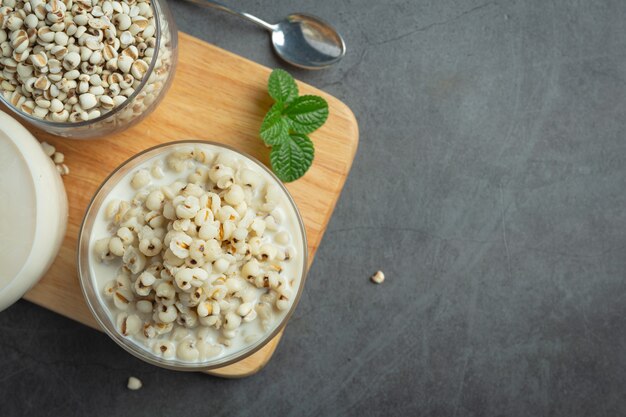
<point x="307" y="41"/>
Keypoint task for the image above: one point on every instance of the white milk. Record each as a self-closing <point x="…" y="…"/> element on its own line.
<point x="248" y="333"/>
<point x="17" y="211"/>
<point x="33" y="211"/>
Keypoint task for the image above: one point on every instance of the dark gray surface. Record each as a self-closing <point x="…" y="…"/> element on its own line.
<point x="489" y="186"/>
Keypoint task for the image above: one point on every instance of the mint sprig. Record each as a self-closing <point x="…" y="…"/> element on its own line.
<point x="287" y="123"/>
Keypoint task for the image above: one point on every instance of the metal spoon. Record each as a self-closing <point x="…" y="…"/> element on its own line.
<point x="302" y="40"/>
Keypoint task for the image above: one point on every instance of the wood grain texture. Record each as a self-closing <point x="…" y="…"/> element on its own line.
<point x="215" y="96"/>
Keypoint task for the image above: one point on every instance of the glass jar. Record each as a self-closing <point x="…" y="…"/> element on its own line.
<point x="139" y="104"/>
<point x="117" y="186"/>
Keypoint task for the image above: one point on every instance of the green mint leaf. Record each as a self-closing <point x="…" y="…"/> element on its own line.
<point x="306" y="113"/>
<point x="293" y="158"/>
<point x="275" y="128"/>
<point x="282" y="87"/>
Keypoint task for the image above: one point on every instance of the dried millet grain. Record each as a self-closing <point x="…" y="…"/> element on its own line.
<point x="57" y="157"/>
<point x="378" y="277"/>
<point x="134" y="383"/>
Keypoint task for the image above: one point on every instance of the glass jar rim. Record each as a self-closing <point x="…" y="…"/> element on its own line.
<point x="98" y="309"/>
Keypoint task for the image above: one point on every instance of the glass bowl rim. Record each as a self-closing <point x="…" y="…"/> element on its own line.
<point x="105" y="323"/>
<point x="65" y="125"/>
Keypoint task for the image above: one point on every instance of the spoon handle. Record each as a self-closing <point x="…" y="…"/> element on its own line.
<point x="223" y="7"/>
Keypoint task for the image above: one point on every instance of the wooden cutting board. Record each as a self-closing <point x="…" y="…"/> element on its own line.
<point x="215" y="96"/>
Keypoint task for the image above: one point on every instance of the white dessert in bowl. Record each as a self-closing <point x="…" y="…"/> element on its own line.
<point x="192" y="255"/>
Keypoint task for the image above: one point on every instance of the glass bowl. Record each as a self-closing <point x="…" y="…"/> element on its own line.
<point x="140" y="104"/>
<point x="93" y="293"/>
